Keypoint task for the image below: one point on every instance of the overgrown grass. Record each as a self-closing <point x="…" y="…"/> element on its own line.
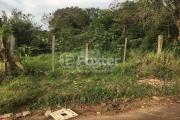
<point x="39" y="87"/>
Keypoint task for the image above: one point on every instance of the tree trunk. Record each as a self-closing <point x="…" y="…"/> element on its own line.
<point x="176" y="15"/>
<point x="124" y="30"/>
<point x="178" y="25"/>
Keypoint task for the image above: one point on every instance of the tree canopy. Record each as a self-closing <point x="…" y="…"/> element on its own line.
<point x="105" y="29"/>
<point x="173" y="6"/>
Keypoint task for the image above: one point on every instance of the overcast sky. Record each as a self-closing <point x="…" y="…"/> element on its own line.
<point x="39" y="7"/>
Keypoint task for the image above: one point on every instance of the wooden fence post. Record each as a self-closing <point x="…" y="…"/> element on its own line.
<point x="5" y="54"/>
<point x="125" y="47"/>
<point x="12" y="44"/>
<point x="53" y="49"/>
<point x="2" y="54"/>
<point x="86" y="54"/>
<point x="160" y="43"/>
<point x="179" y="39"/>
<point x="8" y="52"/>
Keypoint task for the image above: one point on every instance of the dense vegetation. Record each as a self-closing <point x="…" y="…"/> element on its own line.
<point x="140" y="21"/>
<point x="105" y="30"/>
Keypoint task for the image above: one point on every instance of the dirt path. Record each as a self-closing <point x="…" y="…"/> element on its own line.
<point x="140" y="109"/>
<point x="169" y="112"/>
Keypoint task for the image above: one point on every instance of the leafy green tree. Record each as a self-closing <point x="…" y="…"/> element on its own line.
<point x="42" y="42"/>
<point x="1" y="23"/>
<point x="172" y="7"/>
<point x="104" y="31"/>
<point x="67" y="24"/>
<point x="69" y="17"/>
<point x="93" y="13"/>
<point x="5" y="31"/>
<point x="127" y="15"/>
<point x="4" y="18"/>
<point x="22" y="32"/>
<point x="23" y="27"/>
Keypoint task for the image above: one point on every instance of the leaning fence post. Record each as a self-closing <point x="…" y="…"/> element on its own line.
<point x="53" y="49"/>
<point x="160" y="43"/>
<point x="125" y="47"/>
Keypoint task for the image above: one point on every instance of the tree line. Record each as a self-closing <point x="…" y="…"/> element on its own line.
<point x="139" y="20"/>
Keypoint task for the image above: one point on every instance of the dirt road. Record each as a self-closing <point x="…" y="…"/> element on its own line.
<point x="157" y="110"/>
<point x="169" y="112"/>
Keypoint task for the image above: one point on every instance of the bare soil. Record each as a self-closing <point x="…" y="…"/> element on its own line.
<point x="109" y="109"/>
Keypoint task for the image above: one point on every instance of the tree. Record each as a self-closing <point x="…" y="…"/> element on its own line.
<point x="93" y="13"/>
<point x="43" y="41"/>
<point x="67" y="23"/>
<point x="69" y="17"/>
<point x="4" y="18"/>
<point x="23" y="27"/>
<point x="152" y="17"/>
<point x="1" y="23"/>
<point x="173" y="7"/>
<point x="127" y="15"/>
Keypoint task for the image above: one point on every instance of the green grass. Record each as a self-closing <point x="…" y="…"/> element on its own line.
<point x="39" y="87"/>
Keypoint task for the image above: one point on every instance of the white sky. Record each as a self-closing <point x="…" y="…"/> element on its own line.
<point x="39" y="7"/>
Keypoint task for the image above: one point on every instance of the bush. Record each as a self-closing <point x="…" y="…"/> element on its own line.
<point x="150" y="42"/>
